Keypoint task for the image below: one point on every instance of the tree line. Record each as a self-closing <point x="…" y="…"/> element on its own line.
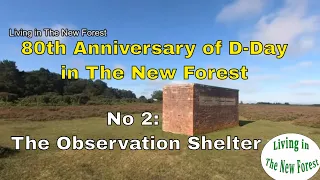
<point x="275" y="103"/>
<point x="45" y="87"/>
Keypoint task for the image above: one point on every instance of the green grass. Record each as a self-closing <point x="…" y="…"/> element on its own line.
<point x="118" y="164"/>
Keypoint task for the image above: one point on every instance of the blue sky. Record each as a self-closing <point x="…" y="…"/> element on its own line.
<point x="293" y="79"/>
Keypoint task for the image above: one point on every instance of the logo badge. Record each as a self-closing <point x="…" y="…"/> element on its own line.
<point x="291" y="156"/>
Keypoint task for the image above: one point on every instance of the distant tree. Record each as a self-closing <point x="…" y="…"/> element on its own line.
<point x="95" y="88"/>
<point x="143" y="99"/>
<point x="264" y="103"/>
<point x="121" y="93"/>
<point x="75" y="86"/>
<point x="157" y="95"/>
<point x="109" y="93"/>
<point x="10" y="78"/>
<point x="41" y="82"/>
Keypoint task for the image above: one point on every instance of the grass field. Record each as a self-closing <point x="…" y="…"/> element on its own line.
<point x="266" y="122"/>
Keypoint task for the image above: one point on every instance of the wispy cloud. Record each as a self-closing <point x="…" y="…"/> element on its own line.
<point x="291" y="25"/>
<point x="297" y="66"/>
<point x="240" y="9"/>
<point x="306" y="83"/>
<point x="305" y="94"/>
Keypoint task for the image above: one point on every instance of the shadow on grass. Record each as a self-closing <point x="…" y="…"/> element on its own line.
<point x="6" y="152"/>
<point x="244" y="122"/>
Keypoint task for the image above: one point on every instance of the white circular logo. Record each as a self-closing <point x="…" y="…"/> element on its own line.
<point x="291" y="156"/>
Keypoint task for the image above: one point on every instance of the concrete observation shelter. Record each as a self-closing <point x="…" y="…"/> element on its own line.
<point x="194" y="109"/>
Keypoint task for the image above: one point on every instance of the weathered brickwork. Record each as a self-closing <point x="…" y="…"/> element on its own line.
<point x="198" y="109"/>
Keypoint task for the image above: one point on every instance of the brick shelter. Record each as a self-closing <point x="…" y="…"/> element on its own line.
<point x="193" y="109"/>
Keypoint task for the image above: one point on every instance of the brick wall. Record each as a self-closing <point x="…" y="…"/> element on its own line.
<point x="198" y="109"/>
<point x="178" y="109"/>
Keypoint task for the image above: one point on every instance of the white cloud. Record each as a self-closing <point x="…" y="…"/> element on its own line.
<point x="306" y="83"/>
<point x="306" y="43"/>
<point x="297" y="66"/>
<point x="239" y="9"/>
<point x="305" y="64"/>
<point x="305" y="94"/>
<point x="291" y="25"/>
<point x="310" y="82"/>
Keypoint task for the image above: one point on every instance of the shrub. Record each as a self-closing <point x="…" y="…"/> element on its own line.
<point x="8" y="97"/>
